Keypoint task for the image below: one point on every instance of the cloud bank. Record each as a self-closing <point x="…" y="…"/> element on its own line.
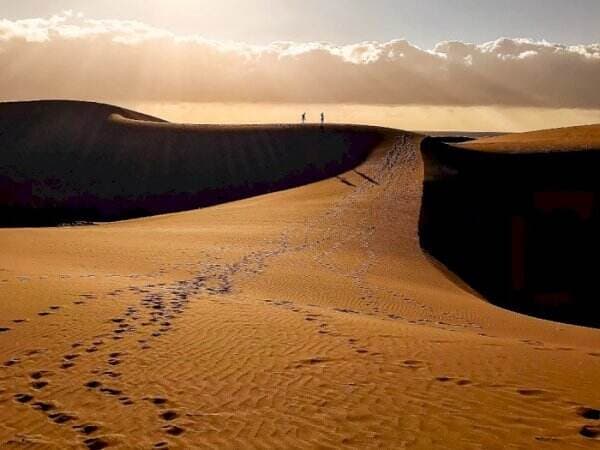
<point x="71" y="56"/>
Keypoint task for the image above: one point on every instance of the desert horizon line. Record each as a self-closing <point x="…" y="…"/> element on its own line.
<point x="423" y="118"/>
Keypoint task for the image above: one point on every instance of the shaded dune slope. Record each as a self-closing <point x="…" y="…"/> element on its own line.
<point x="517" y="216"/>
<point x="64" y="161"/>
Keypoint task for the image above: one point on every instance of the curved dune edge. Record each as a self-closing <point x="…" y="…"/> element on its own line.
<point x="516" y="216"/>
<point x="568" y="139"/>
<point x="65" y="161"/>
<point x="303" y="318"/>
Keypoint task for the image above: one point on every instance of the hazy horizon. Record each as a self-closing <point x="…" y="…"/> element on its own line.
<point x="400" y="77"/>
<point x="413" y="118"/>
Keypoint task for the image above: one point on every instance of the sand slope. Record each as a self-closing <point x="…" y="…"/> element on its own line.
<point x="307" y="318"/>
<point x="517" y="216"/>
<point x="63" y="161"/>
<point x="580" y="138"/>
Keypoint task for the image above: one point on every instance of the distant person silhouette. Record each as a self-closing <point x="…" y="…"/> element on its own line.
<point x="322" y="119"/>
<point x="303" y="117"/>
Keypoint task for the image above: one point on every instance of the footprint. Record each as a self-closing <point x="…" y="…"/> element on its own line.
<point x="60" y="417"/>
<point x="38" y="385"/>
<point x="169" y="415"/>
<point x="67" y="365"/>
<point x="157" y="400"/>
<point x="71" y="356"/>
<point x="23" y="398"/>
<point x="173" y="430"/>
<point x="12" y="362"/>
<point x="44" y="313"/>
<point x="4" y="329"/>
<point x="126" y="401"/>
<point x="412" y="364"/>
<point x="55" y="308"/>
<point x="590" y="431"/>
<point x="111" y="391"/>
<point x="443" y="379"/>
<point x="161" y="445"/>
<point x="44" y="406"/>
<point x="464" y="382"/>
<point x="19" y="321"/>
<point x="93" y="384"/>
<point x="87" y="428"/>
<point x="38" y="375"/>
<point x="530" y="392"/>
<point x="95" y="443"/>
<point x="313" y="361"/>
<point x="111" y="374"/>
<point x="588" y="413"/>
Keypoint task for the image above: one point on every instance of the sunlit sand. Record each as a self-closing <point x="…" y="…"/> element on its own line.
<point x="304" y="317"/>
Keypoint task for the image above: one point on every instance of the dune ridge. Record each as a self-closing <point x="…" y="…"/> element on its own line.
<point x="567" y="139"/>
<point x="517" y="217"/>
<point x="75" y="161"/>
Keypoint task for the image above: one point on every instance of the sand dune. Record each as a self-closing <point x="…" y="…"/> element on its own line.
<point x="517" y="217"/>
<point x="73" y="161"/>
<point x="581" y="138"/>
<point x="305" y="318"/>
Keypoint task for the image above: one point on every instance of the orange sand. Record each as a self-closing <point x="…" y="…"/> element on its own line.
<point x="581" y="138"/>
<point x="307" y="318"/>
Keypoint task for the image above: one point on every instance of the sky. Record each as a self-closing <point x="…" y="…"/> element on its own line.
<point x="462" y="57"/>
<point x="422" y="22"/>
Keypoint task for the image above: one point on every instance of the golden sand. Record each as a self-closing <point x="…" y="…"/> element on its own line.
<point x="307" y="318"/>
<point x="580" y="138"/>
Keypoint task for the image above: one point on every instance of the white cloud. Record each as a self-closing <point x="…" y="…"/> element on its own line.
<point x="71" y="56"/>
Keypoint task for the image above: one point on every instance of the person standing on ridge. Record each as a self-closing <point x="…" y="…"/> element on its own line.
<point x="322" y="119"/>
<point x="303" y="118"/>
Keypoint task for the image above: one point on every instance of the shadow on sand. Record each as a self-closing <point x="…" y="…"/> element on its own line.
<point x="521" y="229"/>
<point x="77" y="162"/>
